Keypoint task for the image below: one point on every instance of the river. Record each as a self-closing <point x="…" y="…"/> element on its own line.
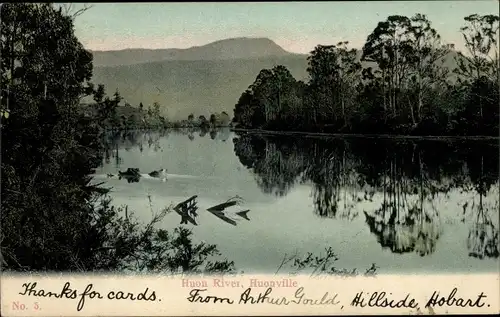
<point x="405" y="205"/>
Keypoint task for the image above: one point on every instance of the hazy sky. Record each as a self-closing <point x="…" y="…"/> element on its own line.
<point x="296" y="26"/>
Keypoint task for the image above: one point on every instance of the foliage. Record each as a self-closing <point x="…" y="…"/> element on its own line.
<point x="322" y="264"/>
<point x="54" y="218"/>
<point x="272" y="97"/>
<point x="333" y="72"/>
<point x="129" y="246"/>
<point x="481" y="42"/>
<point x="405" y="86"/>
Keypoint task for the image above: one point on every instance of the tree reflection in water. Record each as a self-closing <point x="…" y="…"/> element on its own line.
<point x="400" y="224"/>
<point x="483" y="237"/>
<point x="483" y="233"/>
<point x="348" y="176"/>
<point x="115" y="141"/>
<point x="409" y="176"/>
<point x="276" y="170"/>
<point x="334" y="180"/>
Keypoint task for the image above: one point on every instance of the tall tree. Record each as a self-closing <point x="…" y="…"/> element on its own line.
<point x="283" y="85"/>
<point x="481" y="64"/>
<point x="349" y="71"/>
<point x="425" y="53"/>
<point x="386" y="46"/>
<point x="48" y="149"/>
<point x="333" y="72"/>
<point x="263" y="91"/>
<point x="480" y="34"/>
<point x="322" y="63"/>
<point x="272" y="89"/>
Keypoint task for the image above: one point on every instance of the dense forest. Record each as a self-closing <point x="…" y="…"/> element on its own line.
<point x="54" y="218"/>
<point x="405" y="80"/>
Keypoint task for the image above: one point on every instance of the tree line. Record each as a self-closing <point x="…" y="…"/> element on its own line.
<point x="405" y="80"/>
<point x="113" y="114"/>
<point x="216" y="120"/>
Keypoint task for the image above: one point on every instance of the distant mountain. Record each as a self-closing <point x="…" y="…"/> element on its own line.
<point x="199" y="87"/>
<point x="236" y="48"/>
<point x="199" y="80"/>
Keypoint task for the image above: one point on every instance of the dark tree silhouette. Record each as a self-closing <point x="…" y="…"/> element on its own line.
<point x="406" y="84"/>
<point x="53" y="218"/>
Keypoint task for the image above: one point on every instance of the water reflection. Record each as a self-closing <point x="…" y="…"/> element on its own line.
<point x="115" y="141"/>
<point x="407" y="176"/>
<point x="219" y="209"/>
<point x="404" y="191"/>
<point x="188" y="210"/>
<point x="404" y="222"/>
<point x="133" y="175"/>
<point x="483" y="234"/>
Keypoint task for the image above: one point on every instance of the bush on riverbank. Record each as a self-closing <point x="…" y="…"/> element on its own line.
<point x="53" y="217"/>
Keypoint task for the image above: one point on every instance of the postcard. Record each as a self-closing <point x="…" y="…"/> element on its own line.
<point x="249" y="158"/>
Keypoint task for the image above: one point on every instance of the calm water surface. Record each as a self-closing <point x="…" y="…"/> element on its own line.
<point x="405" y="205"/>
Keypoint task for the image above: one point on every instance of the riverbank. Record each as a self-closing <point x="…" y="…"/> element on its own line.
<point x="355" y="135"/>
